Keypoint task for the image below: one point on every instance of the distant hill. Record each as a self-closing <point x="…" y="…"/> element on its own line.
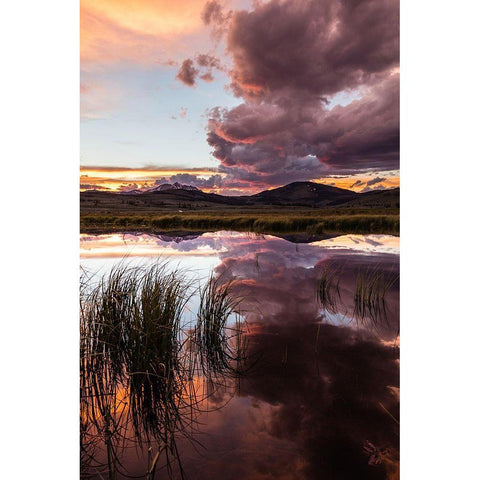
<point x="302" y="194"/>
<point x="376" y="199"/>
<point x="305" y="194"/>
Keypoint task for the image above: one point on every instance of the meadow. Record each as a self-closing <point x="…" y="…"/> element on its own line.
<point x="313" y="221"/>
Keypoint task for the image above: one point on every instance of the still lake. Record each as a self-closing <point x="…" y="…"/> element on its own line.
<point x="318" y="396"/>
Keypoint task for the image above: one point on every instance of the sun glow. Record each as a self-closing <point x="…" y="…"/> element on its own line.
<point x="117" y="178"/>
<point x="361" y="183"/>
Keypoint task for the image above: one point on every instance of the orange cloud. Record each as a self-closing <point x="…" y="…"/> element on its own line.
<point x="358" y="183"/>
<point x="141" y="173"/>
<point x="151" y="17"/>
<point x="115" y="178"/>
<point x="138" y="31"/>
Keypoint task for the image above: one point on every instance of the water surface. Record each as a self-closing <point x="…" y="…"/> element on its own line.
<point x="319" y="395"/>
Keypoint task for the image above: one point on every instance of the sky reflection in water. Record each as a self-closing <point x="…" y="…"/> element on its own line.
<point x="320" y="399"/>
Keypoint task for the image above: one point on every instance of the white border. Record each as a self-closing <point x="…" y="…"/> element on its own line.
<point x="439" y="257"/>
<point x="39" y="242"/>
<point x="439" y="253"/>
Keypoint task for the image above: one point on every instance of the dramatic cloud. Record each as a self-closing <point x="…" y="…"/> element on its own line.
<point x="287" y="75"/>
<point x="320" y="47"/>
<point x="317" y="80"/>
<point x="270" y="142"/>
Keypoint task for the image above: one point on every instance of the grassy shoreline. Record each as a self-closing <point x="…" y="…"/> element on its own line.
<point x="318" y="222"/>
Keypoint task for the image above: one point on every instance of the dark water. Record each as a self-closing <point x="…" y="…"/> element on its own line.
<point x="318" y="394"/>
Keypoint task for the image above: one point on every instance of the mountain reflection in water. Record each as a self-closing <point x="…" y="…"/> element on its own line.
<point x="318" y="396"/>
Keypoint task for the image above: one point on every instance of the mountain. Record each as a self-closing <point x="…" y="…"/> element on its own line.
<point x="305" y="193"/>
<point x="134" y="191"/>
<point x="173" y="186"/>
<point x="297" y="193"/>
<point x="302" y="194"/>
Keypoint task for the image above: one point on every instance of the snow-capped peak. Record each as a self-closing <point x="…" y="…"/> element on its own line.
<point x="172" y="186"/>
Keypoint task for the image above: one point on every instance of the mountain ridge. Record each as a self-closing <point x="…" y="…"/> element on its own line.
<point x="308" y="194"/>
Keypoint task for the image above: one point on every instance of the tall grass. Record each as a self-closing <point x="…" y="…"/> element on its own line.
<point x="313" y="222"/>
<point x="327" y="288"/>
<point x="221" y="347"/>
<point x="133" y="374"/>
<point x="371" y="288"/>
<point x="136" y="375"/>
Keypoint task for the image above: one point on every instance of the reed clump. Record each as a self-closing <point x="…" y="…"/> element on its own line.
<point x="221" y="346"/>
<point x="133" y="374"/>
<point x="137" y="377"/>
<point x="371" y="288"/>
<point x="327" y="288"/>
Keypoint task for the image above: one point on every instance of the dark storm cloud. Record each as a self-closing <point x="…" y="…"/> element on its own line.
<point x="287" y="74"/>
<point x="187" y="73"/>
<point x="321" y="47"/>
<point x="298" y="133"/>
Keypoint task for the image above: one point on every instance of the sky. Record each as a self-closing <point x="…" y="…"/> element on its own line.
<point x="239" y="96"/>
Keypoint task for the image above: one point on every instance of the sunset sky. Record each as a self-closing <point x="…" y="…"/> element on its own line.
<point x="239" y="96"/>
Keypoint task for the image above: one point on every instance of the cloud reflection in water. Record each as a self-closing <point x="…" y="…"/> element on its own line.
<point x="320" y="398"/>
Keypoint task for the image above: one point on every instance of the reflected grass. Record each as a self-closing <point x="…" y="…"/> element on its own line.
<point x="221" y="347"/>
<point x="131" y="370"/>
<point x="369" y="293"/>
<point x="371" y="288"/>
<point x="137" y="378"/>
<point x="327" y="288"/>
